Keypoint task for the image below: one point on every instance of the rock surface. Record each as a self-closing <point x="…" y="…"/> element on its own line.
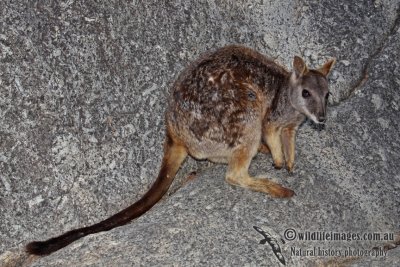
<point x="82" y="93"/>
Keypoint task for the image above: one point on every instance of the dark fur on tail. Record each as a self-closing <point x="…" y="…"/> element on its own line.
<point x="174" y="155"/>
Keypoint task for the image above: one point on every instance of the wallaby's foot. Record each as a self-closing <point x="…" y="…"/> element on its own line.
<point x="263" y="185"/>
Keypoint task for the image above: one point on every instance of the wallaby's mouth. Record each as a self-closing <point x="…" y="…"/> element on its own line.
<point x="316" y="124"/>
<point x="318" y="121"/>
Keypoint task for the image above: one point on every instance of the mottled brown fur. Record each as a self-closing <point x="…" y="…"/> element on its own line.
<point x="225" y="107"/>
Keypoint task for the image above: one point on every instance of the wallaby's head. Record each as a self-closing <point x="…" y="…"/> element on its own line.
<point x="309" y="89"/>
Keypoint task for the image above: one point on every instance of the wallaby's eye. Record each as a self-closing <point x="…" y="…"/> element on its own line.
<point x="305" y="93"/>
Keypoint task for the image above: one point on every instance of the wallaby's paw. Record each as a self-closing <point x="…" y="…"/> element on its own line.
<point x="290" y="167"/>
<point x="277" y="165"/>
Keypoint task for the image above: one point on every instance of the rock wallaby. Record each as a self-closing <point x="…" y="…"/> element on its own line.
<point x="225" y="107"/>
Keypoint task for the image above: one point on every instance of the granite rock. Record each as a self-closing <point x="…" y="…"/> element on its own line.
<point x="82" y="93"/>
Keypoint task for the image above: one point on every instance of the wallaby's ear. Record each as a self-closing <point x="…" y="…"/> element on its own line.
<point x="299" y="67"/>
<point x="327" y="67"/>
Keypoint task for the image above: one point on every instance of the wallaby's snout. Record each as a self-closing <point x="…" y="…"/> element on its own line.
<point x="321" y="113"/>
<point x="321" y="118"/>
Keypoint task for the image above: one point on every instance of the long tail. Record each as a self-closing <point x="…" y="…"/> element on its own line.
<point x="174" y="155"/>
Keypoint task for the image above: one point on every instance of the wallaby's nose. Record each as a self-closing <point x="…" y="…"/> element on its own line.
<point x="321" y="119"/>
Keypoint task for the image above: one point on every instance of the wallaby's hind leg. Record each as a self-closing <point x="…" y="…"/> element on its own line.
<point x="237" y="174"/>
